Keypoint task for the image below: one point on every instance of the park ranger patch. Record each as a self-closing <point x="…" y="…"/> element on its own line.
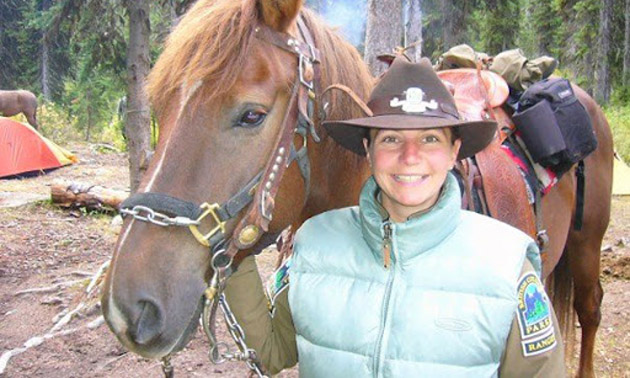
<point x="277" y="283"/>
<point x="540" y="344"/>
<point x="534" y="316"/>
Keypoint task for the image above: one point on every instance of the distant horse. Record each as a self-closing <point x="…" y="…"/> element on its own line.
<point x="223" y="90"/>
<point x="20" y="101"/>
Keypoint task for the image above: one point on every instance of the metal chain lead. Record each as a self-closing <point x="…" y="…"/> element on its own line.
<point x="147" y="214"/>
<point x="220" y="352"/>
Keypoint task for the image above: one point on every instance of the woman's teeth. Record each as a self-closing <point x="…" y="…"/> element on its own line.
<point x="408" y="178"/>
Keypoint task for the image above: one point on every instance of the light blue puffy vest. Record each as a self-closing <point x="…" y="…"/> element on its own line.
<point x="443" y="308"/>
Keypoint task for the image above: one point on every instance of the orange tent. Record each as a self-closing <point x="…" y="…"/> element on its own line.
<point x="23" y="150"/>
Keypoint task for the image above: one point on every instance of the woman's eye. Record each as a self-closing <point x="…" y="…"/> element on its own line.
<point x="431" y="139"/>
<point x="389" y="139"/>
<point x="252" y="118"/>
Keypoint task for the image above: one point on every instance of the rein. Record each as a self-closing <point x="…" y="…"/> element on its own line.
<point x="301" y="117"/>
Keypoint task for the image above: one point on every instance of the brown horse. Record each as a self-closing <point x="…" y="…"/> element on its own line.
<point x="20" y="101"/>
<point x="221" y="94"/>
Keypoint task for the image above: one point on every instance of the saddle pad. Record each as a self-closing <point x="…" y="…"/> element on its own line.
<point x="536" y="176"/>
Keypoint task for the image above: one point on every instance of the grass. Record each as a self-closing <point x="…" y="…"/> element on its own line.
<point x="619" y="119"/>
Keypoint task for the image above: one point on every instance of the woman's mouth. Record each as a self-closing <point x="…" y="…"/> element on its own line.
<point x="410" y="179"/>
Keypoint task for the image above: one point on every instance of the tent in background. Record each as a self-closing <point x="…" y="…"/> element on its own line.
<point x="621" y="177"/>
<point x="23" y="150"/>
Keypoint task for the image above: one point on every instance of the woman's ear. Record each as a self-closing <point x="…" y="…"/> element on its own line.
<point x="457" y="144"/>
<point x="366" y="146"/>
<point x="279" y="14"/>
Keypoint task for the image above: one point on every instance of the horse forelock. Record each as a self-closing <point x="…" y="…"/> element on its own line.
<point x="213" y="41"/>
<point x="209" y="44"/>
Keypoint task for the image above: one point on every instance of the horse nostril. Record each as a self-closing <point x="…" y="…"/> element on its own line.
<point x="149" y="324"/>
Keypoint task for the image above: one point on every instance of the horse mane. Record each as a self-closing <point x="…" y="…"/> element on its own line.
<point x="212" y="40"/>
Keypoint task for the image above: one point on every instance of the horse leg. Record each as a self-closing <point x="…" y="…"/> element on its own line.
<point x="584" y="252"/>
<point x="584" y="258"/>
<point x="31" y="117"/>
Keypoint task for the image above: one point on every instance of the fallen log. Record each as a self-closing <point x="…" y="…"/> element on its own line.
<point x="91" y="197"/>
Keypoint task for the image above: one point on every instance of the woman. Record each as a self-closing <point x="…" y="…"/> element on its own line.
<point x="407" y="284"/>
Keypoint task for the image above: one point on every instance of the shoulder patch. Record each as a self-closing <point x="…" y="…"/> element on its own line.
<point x="534" y="316"/>
<point x="537" y="345"/>
<point x="277" y="283"/>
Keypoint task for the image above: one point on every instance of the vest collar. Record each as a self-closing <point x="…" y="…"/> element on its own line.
<point x="417" y="234"/>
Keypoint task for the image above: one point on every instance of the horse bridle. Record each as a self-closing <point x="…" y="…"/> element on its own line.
<point x="301" y="117"/>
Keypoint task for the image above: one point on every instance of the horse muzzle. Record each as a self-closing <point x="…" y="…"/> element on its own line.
<point x="145" y="326"/>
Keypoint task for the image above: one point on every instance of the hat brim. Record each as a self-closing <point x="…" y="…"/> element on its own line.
<point x="475" y="135"/>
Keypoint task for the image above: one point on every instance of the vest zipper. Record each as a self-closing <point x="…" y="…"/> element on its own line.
<point x="387" y="245"/>
<point x="387" y="248"/>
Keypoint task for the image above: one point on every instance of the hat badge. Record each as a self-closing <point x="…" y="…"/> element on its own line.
<point x="414" y="101"/>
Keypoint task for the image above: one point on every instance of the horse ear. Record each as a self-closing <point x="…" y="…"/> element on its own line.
<point x="279" y="14"/>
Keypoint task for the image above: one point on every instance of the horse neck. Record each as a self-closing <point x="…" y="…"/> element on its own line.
<point x="337" y="175"/>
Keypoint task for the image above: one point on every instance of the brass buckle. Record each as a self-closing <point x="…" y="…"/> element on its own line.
<point x="209" y="209"/>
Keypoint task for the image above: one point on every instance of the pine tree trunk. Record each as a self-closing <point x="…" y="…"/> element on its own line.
<point x="173" y="14"/>
<point x="383" y="32"/>
<point x="454" y="14"/>
<point x="602" y="93"/>
<point x="138" y="113"/>
<point x="543" y="13"/>
<point x="413" y="29"/>
<point x="589" y="72"/>
<point x="88" y="97"/>
<point x="45" y="68"/>
<point x="626" y="47"/>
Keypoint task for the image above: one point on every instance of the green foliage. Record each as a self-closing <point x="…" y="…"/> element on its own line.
<point x="619" y="119"/>
<point x="499" y="26"/>
<point x="56" y="124"/>
<point x="87" y="45"/>
<point x="92" y="103"/>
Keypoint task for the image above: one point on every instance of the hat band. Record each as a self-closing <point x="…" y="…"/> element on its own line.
<point x="383" y="106"/>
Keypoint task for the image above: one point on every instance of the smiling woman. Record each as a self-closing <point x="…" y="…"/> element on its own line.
<point x="410" y="167"/>
<point x="379" y="290"/>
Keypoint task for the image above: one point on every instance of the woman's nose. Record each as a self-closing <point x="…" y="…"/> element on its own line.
<point x="410" y="153"/>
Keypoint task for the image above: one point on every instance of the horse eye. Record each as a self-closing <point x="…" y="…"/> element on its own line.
<point x="252" y="118"/>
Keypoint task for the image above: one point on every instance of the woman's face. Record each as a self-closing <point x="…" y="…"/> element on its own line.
<point x="410" y="167"/>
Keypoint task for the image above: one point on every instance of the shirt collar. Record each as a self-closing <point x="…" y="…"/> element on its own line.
<point x="421" y="232"/>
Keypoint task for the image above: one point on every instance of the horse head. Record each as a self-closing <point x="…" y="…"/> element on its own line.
<point x="229" y="78"/>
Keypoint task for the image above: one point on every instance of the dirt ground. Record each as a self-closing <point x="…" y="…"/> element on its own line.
<point x="42" y="246"/>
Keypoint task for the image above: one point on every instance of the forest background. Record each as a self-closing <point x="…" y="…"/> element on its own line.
<point x="72" y="53"/>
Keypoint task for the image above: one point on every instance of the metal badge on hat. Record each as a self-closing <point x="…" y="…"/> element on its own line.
<point x="414" y="101"/>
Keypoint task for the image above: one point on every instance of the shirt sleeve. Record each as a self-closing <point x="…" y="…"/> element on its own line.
<point x="534" y="347"/>
<point x="271" y="336"/>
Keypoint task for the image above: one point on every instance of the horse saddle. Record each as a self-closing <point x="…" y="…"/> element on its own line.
<point x="492" y="183"/>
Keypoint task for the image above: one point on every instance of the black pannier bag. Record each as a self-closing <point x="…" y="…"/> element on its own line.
<point x="554" y="125"/>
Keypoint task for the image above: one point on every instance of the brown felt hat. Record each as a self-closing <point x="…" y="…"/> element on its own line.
<point x="412" y="96"/>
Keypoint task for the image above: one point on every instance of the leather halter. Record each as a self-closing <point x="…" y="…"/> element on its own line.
<point x="301" y="116"/>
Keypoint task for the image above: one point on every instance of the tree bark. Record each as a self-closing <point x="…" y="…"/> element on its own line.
<point x="413" y="29"/>
<point x="544" y="14"/>
<point x="602" y="93"/>
<point x="626" y="47"/>
<point x="138" y="125"/>
<point x="45" y="69"/>
<point x="454" y="13"/>
<point x="384" y="31"/>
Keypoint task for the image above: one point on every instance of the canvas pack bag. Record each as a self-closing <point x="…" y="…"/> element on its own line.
<point x="554" y="125"/>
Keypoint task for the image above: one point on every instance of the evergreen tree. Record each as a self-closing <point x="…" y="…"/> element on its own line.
<point x="498" y="27"/>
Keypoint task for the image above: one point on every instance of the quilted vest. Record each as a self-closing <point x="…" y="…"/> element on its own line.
<point x="443" y="308"/>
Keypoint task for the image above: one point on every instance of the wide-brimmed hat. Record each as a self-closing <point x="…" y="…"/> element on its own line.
<point x="412" y="96"/>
